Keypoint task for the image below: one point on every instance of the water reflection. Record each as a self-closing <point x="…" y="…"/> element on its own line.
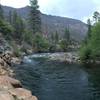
<point x="94" y="80"/>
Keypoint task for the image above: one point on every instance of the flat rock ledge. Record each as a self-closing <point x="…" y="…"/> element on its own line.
<point x="11" y="89"/>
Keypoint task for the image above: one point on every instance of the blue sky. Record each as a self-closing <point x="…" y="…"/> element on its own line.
<point x="78" y="9"/>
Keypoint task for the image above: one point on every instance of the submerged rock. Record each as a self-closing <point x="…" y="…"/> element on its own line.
<point x="27" y="60"/>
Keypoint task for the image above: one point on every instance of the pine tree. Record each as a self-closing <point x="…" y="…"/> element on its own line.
<point x="52" y="38"/>
<point x="96" y="16"/>
<point x="10" y="17"/>
<point x="66" y="40"/>
<point x="67" y="35"/>
<point x="18" y="25"/>
<point x="1" y="12"/>
<point x="90" y="50"/>
<point x="14" y="18"/>
<point x="89" y="28"/>
<point x="35" y="20"/>
<point x="56" y="37"/>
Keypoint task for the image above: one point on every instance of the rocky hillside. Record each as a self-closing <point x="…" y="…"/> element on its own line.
<point x="54" y="23"/>
<point x="50" y="24"/>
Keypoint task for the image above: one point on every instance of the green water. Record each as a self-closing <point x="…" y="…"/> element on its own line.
<point x="52" y="80"/>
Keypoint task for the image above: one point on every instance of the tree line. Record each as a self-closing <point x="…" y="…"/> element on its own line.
<point x="90" y="49"/>
<point x="14" y="28"/>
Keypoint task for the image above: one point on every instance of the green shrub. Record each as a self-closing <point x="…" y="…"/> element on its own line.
<point x="63" y="45"/>
<point x="91" y="48"/>
<point x="28" y="37"/>
<point x="6" y="28"/>
<point x="40" y="43"/>
<point x="85" y="53"/>
<point x="52" y="48"/>
<point x="16" y="50"/>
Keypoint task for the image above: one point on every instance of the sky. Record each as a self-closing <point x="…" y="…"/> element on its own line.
<point x="77" y="9"/>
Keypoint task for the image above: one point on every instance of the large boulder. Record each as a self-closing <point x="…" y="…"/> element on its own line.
<point x="9" y="83"/>
<point x="11" y="89"/>
<point x="20" y="93"/>
<point x="32" y="98"/>
<point x="6" y="96"/>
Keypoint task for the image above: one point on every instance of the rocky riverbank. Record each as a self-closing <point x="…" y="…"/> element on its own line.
<point x="69" y="57"/>
<point x="10" y="88"/>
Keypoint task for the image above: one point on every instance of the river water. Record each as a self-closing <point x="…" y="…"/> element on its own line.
<point x="52" y="80"/>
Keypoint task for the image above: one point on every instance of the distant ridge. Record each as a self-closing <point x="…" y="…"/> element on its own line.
<point x="51" y="24"/>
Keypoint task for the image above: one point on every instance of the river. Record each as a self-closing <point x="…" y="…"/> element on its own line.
<point x="52" y="80"/>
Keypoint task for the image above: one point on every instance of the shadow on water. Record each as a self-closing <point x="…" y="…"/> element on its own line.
<point x="52" y="80"/>
<point x="93" y="71"/>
